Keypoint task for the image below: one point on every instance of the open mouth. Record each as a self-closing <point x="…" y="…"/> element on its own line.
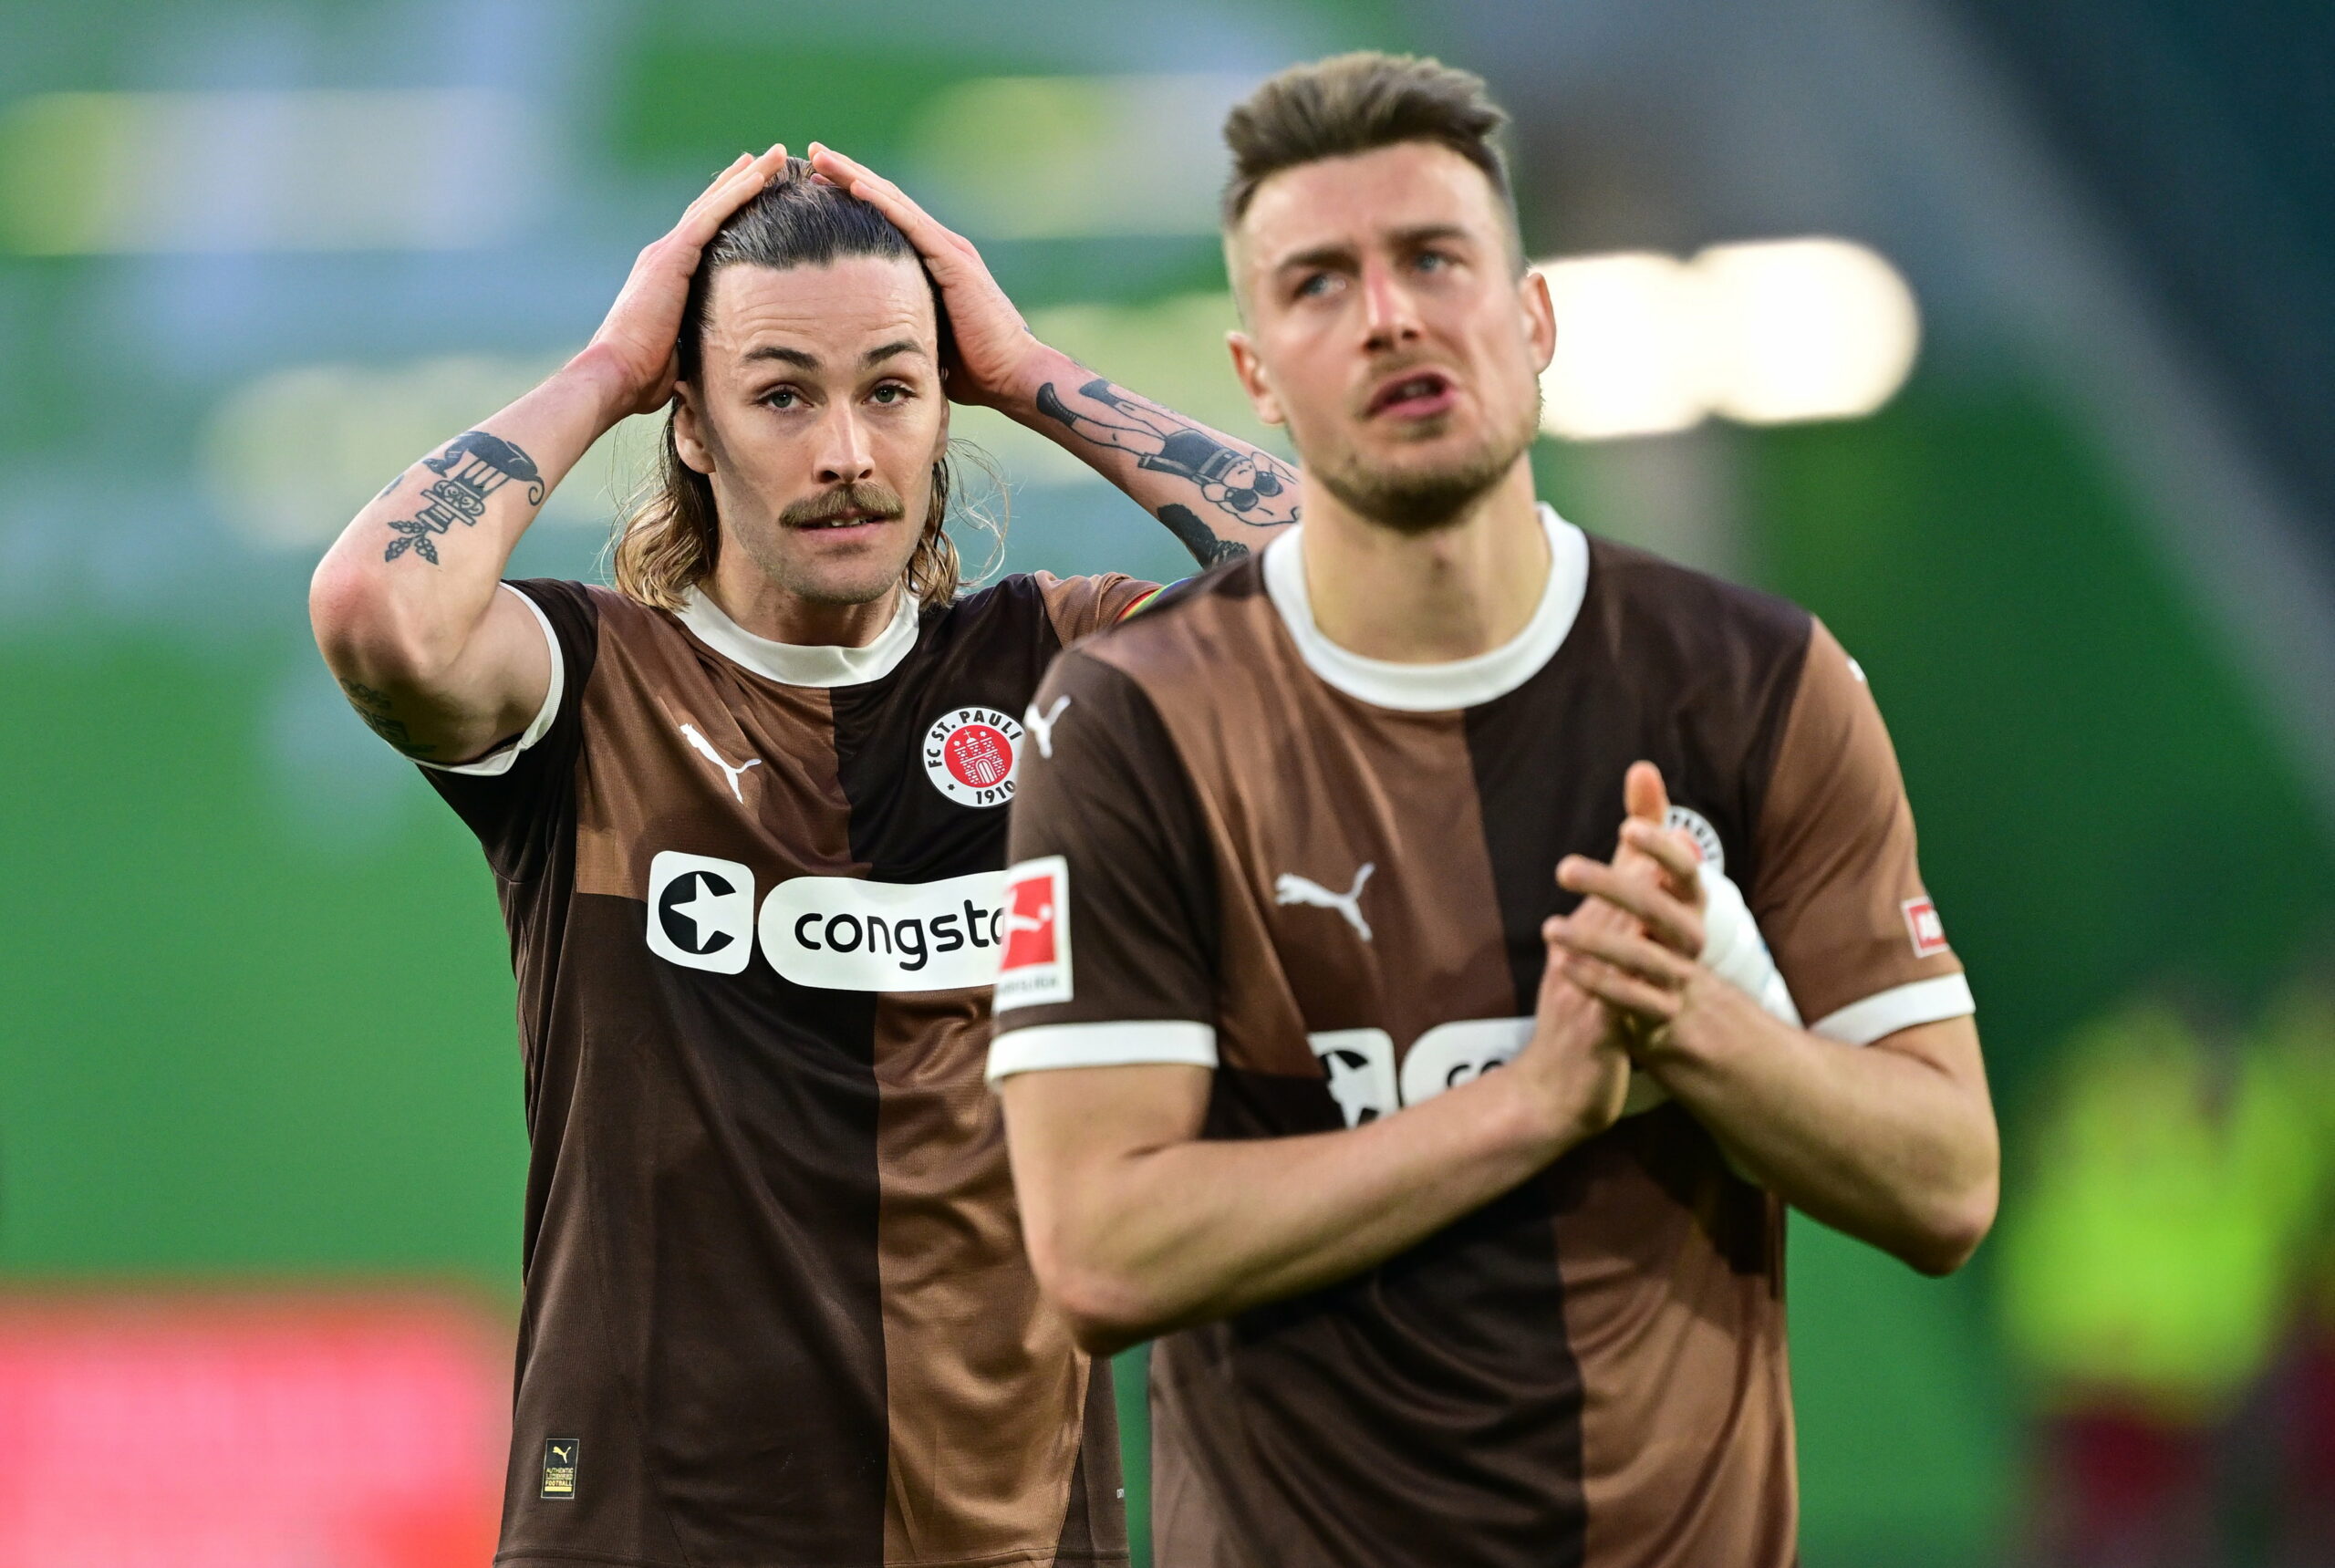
<point x="1414" y="395"/>
<point x="850" y="518"/>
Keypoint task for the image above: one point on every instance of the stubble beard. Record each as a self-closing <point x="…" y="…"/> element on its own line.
<point x="1423" y="500"/>
<point x="837" y="590"/>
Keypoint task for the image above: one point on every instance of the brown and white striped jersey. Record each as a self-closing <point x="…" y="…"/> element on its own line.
<point x="777" y="1310"/>
<point x="1324" y="876"/>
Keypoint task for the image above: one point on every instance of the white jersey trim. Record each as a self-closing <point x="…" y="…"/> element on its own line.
<point x="1044" y="1047"/>
<point x="1435" y="688"/>
<point x="802" y="664"/>
<point x="497" y="762"/>
<point x="1900" y="1007"/>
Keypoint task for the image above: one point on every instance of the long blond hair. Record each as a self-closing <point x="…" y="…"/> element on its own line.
<point x="669" y="535"/>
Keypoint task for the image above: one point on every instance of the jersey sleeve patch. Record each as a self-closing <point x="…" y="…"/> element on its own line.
<point x="1035" y="965"/>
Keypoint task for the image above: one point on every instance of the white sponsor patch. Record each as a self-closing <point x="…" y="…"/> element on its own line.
<point x="1366" y="1083"/>
<point x="1450" y="1055"/>
<point x="1035" y="922"/>
<point x="970" y="755"/>
<point x="1923" y="925"/>
<point x="1697" y="826"/>
<point x="839" y="933"/>
<point x="700" y="912"/>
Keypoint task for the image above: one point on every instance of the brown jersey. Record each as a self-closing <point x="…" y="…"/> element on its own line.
<point x="1324" y="877"/>
<point x="777" y="1311"/>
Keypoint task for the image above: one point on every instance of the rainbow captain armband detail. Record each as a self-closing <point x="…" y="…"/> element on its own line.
<point x="1144" y="603"/>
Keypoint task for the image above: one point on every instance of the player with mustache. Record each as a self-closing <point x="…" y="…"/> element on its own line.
<point x="746" y="814"/>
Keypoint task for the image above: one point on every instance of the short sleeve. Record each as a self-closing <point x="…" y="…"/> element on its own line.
<point x="1839" y="893"/>
<point x="512" y="796"/>
<point x="1110" y="898"/>
<point x="1080" y="606"/>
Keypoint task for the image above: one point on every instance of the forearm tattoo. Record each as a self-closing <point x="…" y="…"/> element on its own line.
<point x="472" y="467"/>
<point x="1237" y="484"/>
<point x="380" y="717"/>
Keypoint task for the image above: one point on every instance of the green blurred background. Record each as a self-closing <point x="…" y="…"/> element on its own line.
<point x="255" y="1010"/>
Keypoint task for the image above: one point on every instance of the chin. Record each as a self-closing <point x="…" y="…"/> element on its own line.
<point x="843" y="589"/>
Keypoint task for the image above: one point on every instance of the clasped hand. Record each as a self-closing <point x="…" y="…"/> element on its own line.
<point x="1636" y="943"/>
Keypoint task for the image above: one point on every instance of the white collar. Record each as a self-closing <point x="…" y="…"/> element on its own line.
<point x="802" y="664"/>
<point x="1435" y="688"/>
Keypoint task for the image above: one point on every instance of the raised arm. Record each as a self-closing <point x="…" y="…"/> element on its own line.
<point x="1218" y="495"/>
<point x="405" y="607"/>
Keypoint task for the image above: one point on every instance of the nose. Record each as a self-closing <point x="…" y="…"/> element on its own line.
<point x="844" y="457"/>
<point x="1390" y="315"/>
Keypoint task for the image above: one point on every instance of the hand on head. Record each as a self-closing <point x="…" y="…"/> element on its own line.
<point x="991" y="342"/>
<point x="638" y="343"/>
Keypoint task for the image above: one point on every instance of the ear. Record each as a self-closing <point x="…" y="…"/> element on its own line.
<point x="1252" y="371"/>
<point x="689" y="430"/>
<point x="1539" y="316"/>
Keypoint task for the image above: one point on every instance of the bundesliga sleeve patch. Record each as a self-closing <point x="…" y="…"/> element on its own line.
<point x="1034" y="968"/>
<point x="1927" y="929"/>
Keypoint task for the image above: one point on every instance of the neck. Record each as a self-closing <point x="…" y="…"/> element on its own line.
<point x="748" y="597"/>
<point x="1427" y="598"/>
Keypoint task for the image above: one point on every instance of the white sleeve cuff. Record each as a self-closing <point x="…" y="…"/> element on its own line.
<point x="500" y="761"/>
<point x="1900" y="1007"/>
<point x="1045" y="1046"/>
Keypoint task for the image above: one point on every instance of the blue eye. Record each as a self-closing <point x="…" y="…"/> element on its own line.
<point x="784" y="397"/>
<point x="891" y="392"/>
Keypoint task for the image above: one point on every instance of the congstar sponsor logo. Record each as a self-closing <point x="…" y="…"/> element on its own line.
<point x="835" y="933"/>
<point x="839" y="933"/>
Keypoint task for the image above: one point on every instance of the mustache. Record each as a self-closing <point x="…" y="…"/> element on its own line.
<point x="872" y="497"/>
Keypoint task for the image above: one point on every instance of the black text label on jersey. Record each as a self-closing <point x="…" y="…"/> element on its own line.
<point x="560" y="1456"/>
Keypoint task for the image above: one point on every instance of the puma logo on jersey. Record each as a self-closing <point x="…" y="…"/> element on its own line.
<point x="1042" y="724"/>
<point x="1288" y="889"/>
<point x="704" y="748"/>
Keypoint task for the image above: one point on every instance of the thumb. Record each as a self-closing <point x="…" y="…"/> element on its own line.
<point x="1643" y="795"/>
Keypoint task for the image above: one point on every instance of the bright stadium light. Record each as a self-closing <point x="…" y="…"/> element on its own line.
<point x="102" y="173"/>
<point x="1762" y="332"/>
<point x="1633" y="352"/>
<point x="1813" y="329"/>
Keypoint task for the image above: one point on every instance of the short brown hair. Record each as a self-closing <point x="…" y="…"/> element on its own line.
<point x="1359" y="103"/>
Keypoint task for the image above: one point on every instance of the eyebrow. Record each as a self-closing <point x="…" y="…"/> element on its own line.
<point x="808" y="361"/>
<point x="794" y="356"/>
<point x="1338" y="251"/>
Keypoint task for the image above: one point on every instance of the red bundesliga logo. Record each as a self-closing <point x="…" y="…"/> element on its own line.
<point x="1923" y="926"/>
<point x="1029" y="922"/>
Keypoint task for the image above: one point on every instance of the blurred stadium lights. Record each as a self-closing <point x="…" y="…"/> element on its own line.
<point x="1049" y="158"/>
<point x="92" y="174"/>
<point x="288" y="459"/>
<point x="1762" y="332"/>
